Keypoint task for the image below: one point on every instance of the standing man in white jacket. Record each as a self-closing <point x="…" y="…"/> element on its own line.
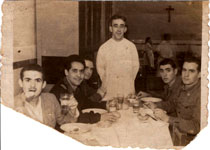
<point x="117" y="61"/>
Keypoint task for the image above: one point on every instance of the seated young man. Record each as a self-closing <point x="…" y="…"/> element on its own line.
<point x="71" y="83"/>
<point x="187" y="103"/>
<point x="93" y="94"/>
<point x="42" y="107"/>
<point x="91" y="76"/>
<point x="168" y="72"/>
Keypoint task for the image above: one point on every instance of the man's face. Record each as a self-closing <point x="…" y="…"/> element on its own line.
<point x="190" y="73"/>
<point x="88" y="69"/>
<point x="168" y="73"/>
<point x="75" y="75"/>
<point x="118" y="29"/>
<point x="32" y="83"/>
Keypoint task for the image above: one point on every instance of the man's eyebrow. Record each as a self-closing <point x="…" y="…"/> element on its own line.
<point x="192" y="69"/>
<point x="165" y="68"/>
<point x="38" y="79"/>
<point x="28" y="78"/>
<point x="74" y="69"/>
<point x="89" y="67"/>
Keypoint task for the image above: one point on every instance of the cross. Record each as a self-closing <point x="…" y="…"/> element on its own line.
<point x="169" y="9"/>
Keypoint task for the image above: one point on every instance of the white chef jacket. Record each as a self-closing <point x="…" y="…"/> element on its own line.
<point x="117" y="64"/>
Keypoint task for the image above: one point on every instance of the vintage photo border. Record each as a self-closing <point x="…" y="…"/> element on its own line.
<point x="7" y="75"/>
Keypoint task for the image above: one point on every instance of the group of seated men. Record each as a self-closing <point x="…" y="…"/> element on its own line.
<point x="180" y="106"/>
<point x="46" y="107"/>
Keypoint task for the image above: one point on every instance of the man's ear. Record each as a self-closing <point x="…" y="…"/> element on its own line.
<point x="176" y="71"/>
<point x="20" y="82"/>
<point x="44" y="84"/>
<point x="125" y="30"/>
<point x="199" y="75"/>
<point x="66" y="72"/>
<point x="110" y="28"/>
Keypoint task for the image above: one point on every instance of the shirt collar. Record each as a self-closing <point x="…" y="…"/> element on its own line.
<point x="192" y="87"/>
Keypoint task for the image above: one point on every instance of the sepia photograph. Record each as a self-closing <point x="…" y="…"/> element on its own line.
<point x="107" y="73"/>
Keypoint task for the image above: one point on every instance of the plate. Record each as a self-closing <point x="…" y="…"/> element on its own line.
<point x="151" y="99"/>
<point x="95" y="110"/>
<point x="76" y="128"/>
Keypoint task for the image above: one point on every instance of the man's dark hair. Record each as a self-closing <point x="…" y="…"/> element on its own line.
<point x="88" y="57"/>
<point x="167" y="36"/>
<point x="147" y="39"/>
<point x="114" y="17"/>
<point x="168" y="61"/>
<point x="193" y="60"/>
<point x="73" y="58"/>
<point x="32" y="67"/>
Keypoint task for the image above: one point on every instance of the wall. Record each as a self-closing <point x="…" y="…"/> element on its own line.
<point x="151" y="19"/>
<point x="19" y="45"/>
<point x="57" y="28"/>
<point x="24" y="37"/>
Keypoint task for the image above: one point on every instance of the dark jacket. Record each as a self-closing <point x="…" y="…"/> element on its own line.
<point x="82" y="99"/>
<point x="187" y="104"/>
<point x="169" y="94"/>
<point x="188" y="109"/>
<point x="90" y="92"/>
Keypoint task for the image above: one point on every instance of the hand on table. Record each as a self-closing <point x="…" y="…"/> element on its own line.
<point x="161" y="114"/>
<point x="150" y="105"/>
<point x="142" y="94"/>
<point x="108" y="117"/>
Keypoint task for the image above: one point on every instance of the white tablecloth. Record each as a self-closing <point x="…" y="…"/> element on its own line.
<point x="129" y="131"/>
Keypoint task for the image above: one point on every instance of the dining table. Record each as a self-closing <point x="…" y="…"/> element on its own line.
<point x="127" y="131"/>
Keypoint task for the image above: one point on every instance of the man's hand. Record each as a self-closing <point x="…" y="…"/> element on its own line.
<point x="143" y="94"/>
<point x="74" y="112"/>
<point x="101" y="91"/>
<point x="150" y="105"/>
<point x="72" y="102"/>
<point x="20" y="109"/>
<point x="29" y="96"/>
<point x="161" y="114"/>
<point x="108" y="117"/>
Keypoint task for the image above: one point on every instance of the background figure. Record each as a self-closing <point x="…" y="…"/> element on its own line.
<point x="166" y="49"/>
<point x="148" y="55"/>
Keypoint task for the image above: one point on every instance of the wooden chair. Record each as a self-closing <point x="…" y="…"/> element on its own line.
<point x="179" y="138"/>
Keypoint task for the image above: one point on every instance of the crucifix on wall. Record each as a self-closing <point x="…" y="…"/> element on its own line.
<point x="169" y="9"/>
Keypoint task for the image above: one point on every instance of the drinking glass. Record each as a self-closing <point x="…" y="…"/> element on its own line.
<point x="120" y="99"/>
<point x="64" y="98"/>
<point x="112" y="105"/>
<point x="125" y="104"/>
<point x="136" y="106"/>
